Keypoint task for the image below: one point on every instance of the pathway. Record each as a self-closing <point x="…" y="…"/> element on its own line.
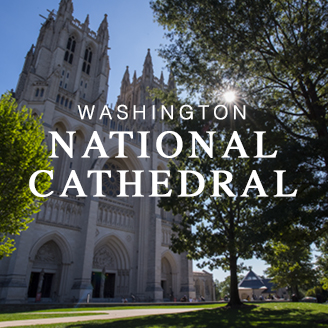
<point x="112" y="314"/>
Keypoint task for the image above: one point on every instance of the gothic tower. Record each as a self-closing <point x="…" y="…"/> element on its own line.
<point x="108" y="247"/>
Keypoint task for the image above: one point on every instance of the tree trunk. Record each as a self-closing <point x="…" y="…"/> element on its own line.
<point x="234" y="295"/>
<point x="295" y="291"/>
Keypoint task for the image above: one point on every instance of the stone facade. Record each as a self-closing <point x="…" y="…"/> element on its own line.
<point x="105" y="247"/>
<point x="204" y="287"/>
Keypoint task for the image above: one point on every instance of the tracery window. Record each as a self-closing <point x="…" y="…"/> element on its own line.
<point x="70" y="48"/>
<point x="111" y="186"/>
<point x="87" y="61"/>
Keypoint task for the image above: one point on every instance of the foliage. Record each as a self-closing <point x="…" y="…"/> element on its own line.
<point x="274" y="51"/>
<point x="274" y="54"/>
<point x="220" y="230"/>
<point x="222" y="288"/>
<point x="290" y="264"/>
<point x="22" y="152"/>
<point x="322" y="261"/>
<point x="319" y="293"/>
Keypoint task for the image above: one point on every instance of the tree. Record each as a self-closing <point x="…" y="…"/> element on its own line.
<point x="274" y="51"/>
<point x="222" y="288"/>
<point x="322" y="261"/>
<point x="219" y="229"/>
<point x="290" y="265"/>
<point x="22" y="152"/>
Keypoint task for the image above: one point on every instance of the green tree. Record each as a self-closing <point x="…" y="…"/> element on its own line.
<point x="22" y="152"/>
<point x="290" y="265"/>
<point x="222" y="288"/>
<point x="220" y="230"/>
<point x="322" y="261"/>
<point x="274" y="51"/>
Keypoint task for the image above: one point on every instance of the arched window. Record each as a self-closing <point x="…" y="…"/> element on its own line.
<point x="111" y="186"/>
<point x="112" y="125"/>
<point x="87" y="61"/>
<point x="37" y="92"/>
<point x="70" y="48"/>
<point x="62" y="101"/>
<point x="42" y="92"/>
<point x="58" y="98"/>
<point x="70" y="105"/>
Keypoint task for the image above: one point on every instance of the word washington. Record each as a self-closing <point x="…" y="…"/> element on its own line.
<point x="186" y="112"/>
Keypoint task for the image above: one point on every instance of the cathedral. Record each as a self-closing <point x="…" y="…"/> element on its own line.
<point x="92" y="248"/>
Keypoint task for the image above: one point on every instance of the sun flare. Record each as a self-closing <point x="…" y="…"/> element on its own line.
<point x="229" y="96"/>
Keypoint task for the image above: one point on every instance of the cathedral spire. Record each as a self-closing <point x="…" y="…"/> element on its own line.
<point x="104" y="25"/>
<point x="126" y="76"/>
<point x="87" y="21"/>
<point x="126" y="80"/>
<point x="65" y="7"/>
<point x="161" y="80"/>
<point x="171" y="82"/>
<point x="102" y="33"/>
<point x="134" y="76"/>
<point x="148" y="66"/>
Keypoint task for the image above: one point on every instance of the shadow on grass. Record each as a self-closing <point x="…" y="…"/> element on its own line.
<point x="221" y="317"/>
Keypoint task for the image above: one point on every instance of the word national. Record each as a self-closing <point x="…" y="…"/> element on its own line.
<point x="95" y="143"/>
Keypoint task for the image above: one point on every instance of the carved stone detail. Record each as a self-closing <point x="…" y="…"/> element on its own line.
<point x="114" y="215"/>
<point x="61" y="212"/>
<point x="103" y="258"/>
<point x="47" y="253"/>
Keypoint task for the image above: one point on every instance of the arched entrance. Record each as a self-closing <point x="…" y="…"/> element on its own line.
<point x="166" y="278"/>
<point x="46" y="272"/>
<point x="111" y="270"/>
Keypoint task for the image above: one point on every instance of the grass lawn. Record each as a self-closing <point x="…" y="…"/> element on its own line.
<point x="35" y="315"/>
<point x="273" y="315"/>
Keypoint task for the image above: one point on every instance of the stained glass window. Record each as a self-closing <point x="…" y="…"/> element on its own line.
<point x="111" y="186"/>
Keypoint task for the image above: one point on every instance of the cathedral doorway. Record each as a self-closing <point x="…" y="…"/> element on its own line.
<point x="46" y="284"/>
<point x="46" y="272"/>
<point x="110" y="273"/>
<point x="166" y="278"/>
<point x="103" y="285"/>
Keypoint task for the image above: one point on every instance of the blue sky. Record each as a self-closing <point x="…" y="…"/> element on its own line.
<point x="131" y="27"/>
<point x="132" y="31"/>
